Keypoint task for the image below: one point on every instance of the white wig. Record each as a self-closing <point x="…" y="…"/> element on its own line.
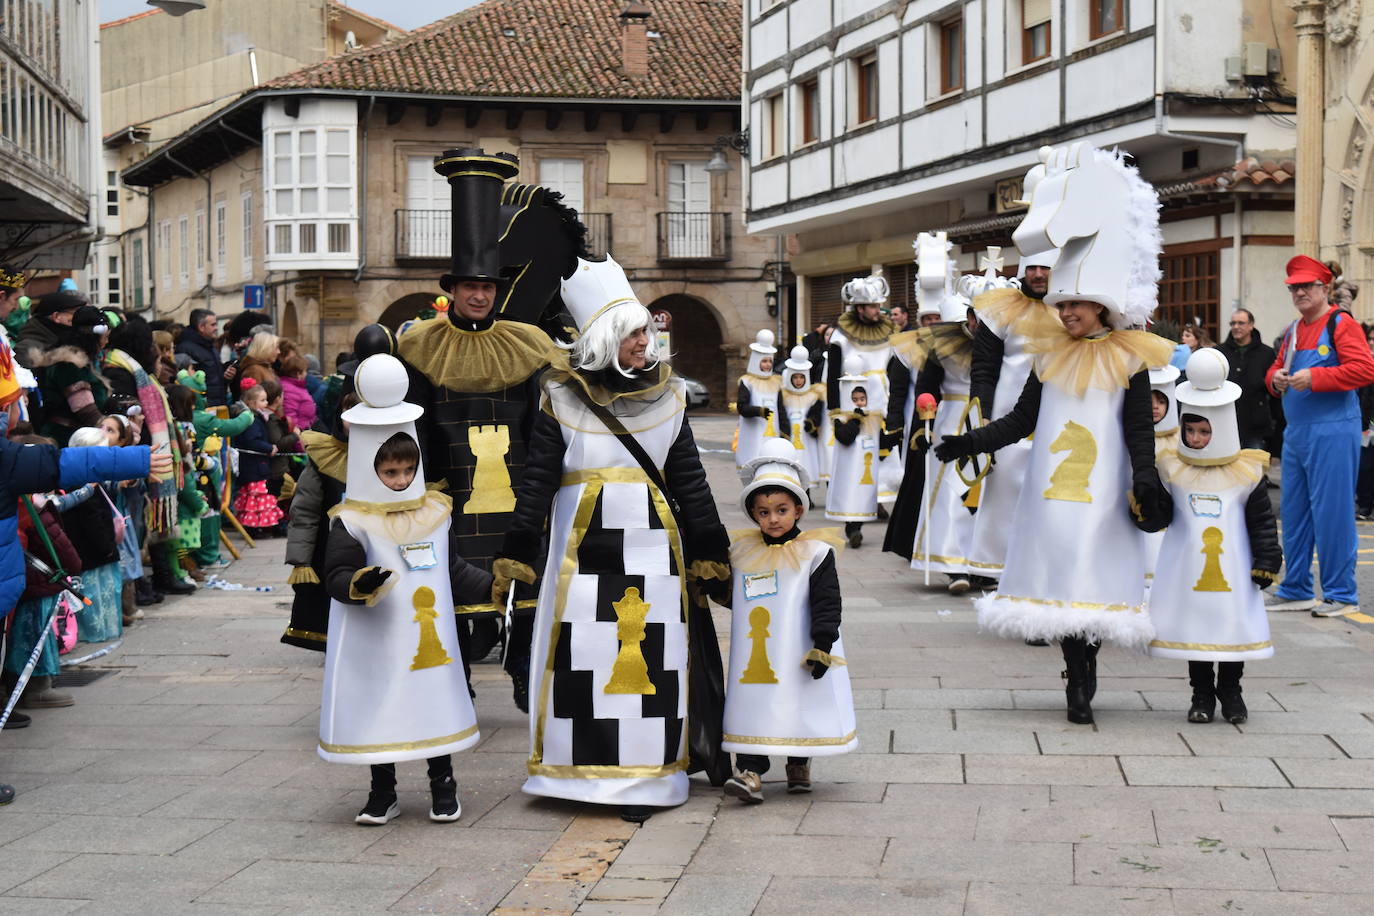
<point x="89" y="435"/>
<point x="599" y="346"/>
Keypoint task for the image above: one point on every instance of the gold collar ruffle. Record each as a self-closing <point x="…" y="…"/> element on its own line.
<point x="877" y="333"/>
<point x="1011" y="311"/>
<point x="494" y="359"/>
<point x="1075" y="364"/>
<point x="1246" y="468"/>
<point x="329" y="455"/>
<point x="763" y="384"/>
<point x="950" y="342"/>
<point x="907" y="347"/>
<point x="400" y="522"/>
<point x="561" y="372"/>
<point x="748" y="552"/>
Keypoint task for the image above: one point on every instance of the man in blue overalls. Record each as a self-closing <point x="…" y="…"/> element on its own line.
<point x="1322" y="361"/>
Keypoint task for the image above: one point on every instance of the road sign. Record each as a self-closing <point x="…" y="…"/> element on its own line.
<point x="254" y="297"/>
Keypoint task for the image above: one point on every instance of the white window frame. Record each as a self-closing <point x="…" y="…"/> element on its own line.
<point x="284" y="217"/>
<point x="221" y="241"/>
<point x="774" y="140"/>
<point x="164" y="250"/>
<point x="247" y="232"/>
<point x="184" y="240"/>
<point x="200" y="247"/>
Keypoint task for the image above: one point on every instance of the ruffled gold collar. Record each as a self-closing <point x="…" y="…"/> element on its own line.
<point x="329" y="455"/>
<point x="492" y="359"/>
<point x="950" y="342"/>
<point x="400" y="522"/>
<point x="749" y="553"/>
<point x="907" y="347"/>
<point x="1246" y="468"/>
<point x="561" y="372"/>
<point x="863" y="333"/>
<point x="1011" y="311"/>
<point x="1075" y="364"/>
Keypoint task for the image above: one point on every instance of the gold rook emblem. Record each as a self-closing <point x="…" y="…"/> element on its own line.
<point x="491" y="490"/>
<point x="1212" y="578"/>
<point x="1069" y="481"/>
<point x="758" y="671"/>
<point x="630" y="673"/>
<point x="430" y="653"/>
<point x="868" y="469"/>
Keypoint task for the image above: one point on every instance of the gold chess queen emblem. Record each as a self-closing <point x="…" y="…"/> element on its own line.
<point x="630" y="673"/>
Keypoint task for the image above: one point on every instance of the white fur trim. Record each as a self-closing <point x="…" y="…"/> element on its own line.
<point x="1142" y="221"/>
<point x="1019" y="619"/>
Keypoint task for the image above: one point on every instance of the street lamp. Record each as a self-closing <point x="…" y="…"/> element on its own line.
<point x="739" y="142"/>
<point x="178" y="7"/>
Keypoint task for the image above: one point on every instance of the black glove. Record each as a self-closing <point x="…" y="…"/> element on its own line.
<point x="952" y="447"/>
<point x="818" y="669"/>
<point x="371" y="579"/>
<point x="1263" y="578"/>
<point x="860" y="412"/>
<point x="765" y="412"/>
<point x="888" y="441"/>
<point x="1152" y="509"/>
<point x="809" y="427"/>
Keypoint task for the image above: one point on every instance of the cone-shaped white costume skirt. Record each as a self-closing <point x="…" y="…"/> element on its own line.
<point x="1075" y="562"/>
<point x="1002" y="486"/>
<point x="763" y="392"/>
<point x="853" y="492"/>
<point x="797" y="403"/>
<point x="945" y="533"/>
<point x="378" y="707"/>
<point x="1154" y="540"/>
<point x="772" y="703"/>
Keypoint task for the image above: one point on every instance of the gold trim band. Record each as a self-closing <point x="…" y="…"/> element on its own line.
<point x="608" y="306"/>
<point x="487" y="608"/>
<point x="569" y="771"/>
<point x="305" y="634"/>
<point x="783" y="742"/>
<point x="1074" y="605"/>
<point x="400" y="745"/>
<point x="1210" y="647"/>
<point x="604" y="475"/>
<point x="1205" y="462"/>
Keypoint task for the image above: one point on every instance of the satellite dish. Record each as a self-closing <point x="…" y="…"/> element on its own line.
<point x="178" y="7"/>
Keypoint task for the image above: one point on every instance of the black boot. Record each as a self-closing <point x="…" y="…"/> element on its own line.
<point x="854" y="531"/>
<point x="1204" y="705"/>
<point x="164" y="579"/>
<point x="144" y="596"/>
<point x="1076" y="696"/>
<point x="1090" y="655"/>
<point x="1228" y="691"/>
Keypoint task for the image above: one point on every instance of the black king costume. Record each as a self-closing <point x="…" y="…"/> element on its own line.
<point x="479" y="384"/>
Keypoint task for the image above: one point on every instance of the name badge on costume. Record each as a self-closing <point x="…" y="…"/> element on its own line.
<point x="867" y="442"/>
<point x="1205" y="505"/>
<point x="796" y="416"/>
<point x="760" y="585"/>
<point x="419" y="556"/>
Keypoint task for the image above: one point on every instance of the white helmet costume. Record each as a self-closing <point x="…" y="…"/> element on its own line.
<point x="798" y="361"/>
<point x="777" y="464"/>
<point x="971" y="286"/>
<point x="382" y="412"/>
<point x="853" y="378"/>
<point x="935" y="278"/>
<point x="762" y="348"/>
<point x="1208" y="394"/>
<point x="870" y="290"/>
<point x="1164" y="380"/>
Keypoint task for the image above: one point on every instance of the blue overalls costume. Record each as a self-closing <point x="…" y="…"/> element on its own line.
<point x="1321" y="456"/>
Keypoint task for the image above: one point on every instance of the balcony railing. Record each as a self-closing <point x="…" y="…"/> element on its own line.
<point x="693" y="236"/>
<point x="424" y="235"/>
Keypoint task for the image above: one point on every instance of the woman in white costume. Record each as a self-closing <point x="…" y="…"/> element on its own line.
<point x="756" y="401"/>
<point x="632" y="525"/>
<point x="1164" y="413"/>
<point x="852" y="496"/>
<point x="788" y="689"/>
<point x="1075" y="565"/>
<point x="1221" y="549"/>
<point x="801" y="411"/>
<point x="394" y="688"/>
<point x="862" y="333"/>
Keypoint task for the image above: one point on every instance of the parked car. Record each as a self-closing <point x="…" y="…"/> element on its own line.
<point x="697" y="395"/>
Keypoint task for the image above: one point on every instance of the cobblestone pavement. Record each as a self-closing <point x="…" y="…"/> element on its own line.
<point x="187" y="782"/>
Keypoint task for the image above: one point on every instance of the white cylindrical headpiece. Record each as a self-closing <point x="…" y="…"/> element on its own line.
<point x="1207" y="395"/>
<point x="1163" y="380"/>
<point x="778" y="464"/>
<point x="852" y="380"/>
<point x="798" y="361"/>
<point x="762" y="348"/>
<point x="381" y="384"/>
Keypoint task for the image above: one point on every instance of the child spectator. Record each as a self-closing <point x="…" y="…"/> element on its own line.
<point x="128" y="498"/>
<point x="286" y="442"/>
<point x="297" y="404"/>
<point x="88" y="516"/>
<point x="255" y="508"/>
<point x="212" y="431"/>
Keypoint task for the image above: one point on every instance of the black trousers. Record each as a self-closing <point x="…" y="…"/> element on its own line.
<point x="759" y="764"/>
<point x="1364" y="482"/>
<point x="1228" y="675"/>
<point x="384" y="774"/>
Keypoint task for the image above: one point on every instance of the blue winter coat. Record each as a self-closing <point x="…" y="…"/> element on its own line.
<point x="37" y="469"/>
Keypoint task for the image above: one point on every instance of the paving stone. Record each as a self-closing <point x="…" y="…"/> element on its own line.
<point x="1201" y="771"/>
<point x="1061" y="769"/>
<point x="1357" y="833"/>
<point x="620" y="869"/>
<point x="1206" y="741"/>
<point x="1201" y="865"/>
<point x="1148" y="798"/>
<point x="947" y="699"/>
<point x="915" y="817"/>
<point x="254" y="803"/>
<point x="104" y="877"/>
<point x="531" y="812"/>
<point x="1105" y="699"/>
<point x="38" y="906"/>
<point x="1321" y="722"/>
<point x="22" y="865"/>
<point x="894" y="768"/>
<point x="1002" y="824"/>
<point x="964" y="741"/>
<point x="1356" y="745"/>
<point x="779" y="814"/>
<point x="710" y="895"/>
<point x="1344" y="802"/>
<point x="629" y="890"/>
<point x="1111" y="742"/>
<point x="808" y="856"/>
<point x="192" y="762"/>
<point x="144" y="835"/>
<point x="245" y="714"/>
<point x="1279" y="830"/>
<point x="1327" y="774"/>
<point x="989" y="899"/>
<point x="663" y="844"/>
<point x="113" y="737"/>
<point x="126" y="799"/>
<point x="221" y="694"/>
<point x="418" y="841"/>
<point x="321" y="884"/>
<point x="862" y="895"/>
<point x="286" y="839"/>
<point x="1190" y="902"/>
<point x="1012" y="796"/>
<point x="551" y="897"/>
<point x="266" y="737"/>
<point x="961" y="860"/>
<point x="1257" y="702"/>
<point x="1322" y="871"/>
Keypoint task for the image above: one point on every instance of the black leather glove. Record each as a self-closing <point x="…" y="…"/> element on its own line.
<point x="1263" y="577"/>
<point x="818" y="669"/>
<point x="371" y="579"/>
<point x="718" y="590"/>
<point x="888" y="441"/>
<point x="952" y="447"/>
<point x="765" y="412"/>
<point x="1152" y="509"/>
<point x="860" y="412"/>
<point x="809" y="427"/>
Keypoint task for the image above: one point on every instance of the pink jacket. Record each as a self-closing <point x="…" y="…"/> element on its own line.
<point x="297" y="403"/>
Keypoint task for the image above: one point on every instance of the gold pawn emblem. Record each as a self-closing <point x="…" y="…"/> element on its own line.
<point x="630" y="673"/>
<point x="796" y="434"/>
<point x="768" y="430"/>
<point x="430" y="653"/>
<point x="868" y="469"/>
<point x="1212" y="578"/>
<point x="758" y="671"/>
<point x="491" y="490"/>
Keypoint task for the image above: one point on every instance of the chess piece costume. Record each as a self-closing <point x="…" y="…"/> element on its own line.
<point x="612" y="718"/>
<point x="909" y="352"/>
<point x="1205" y="602"/>
<point x="1162" y="379"/>
<point x="756" y="401"/>
<point x="801" y="412"/>
<point x="852" y="496"/>
<point x="786" y="611"/>
<point x="394" y="688"/>
<point x="1007" y="319"/>
<point x="868" y="342"/>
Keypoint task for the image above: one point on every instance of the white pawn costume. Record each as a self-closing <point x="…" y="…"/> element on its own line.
<point x="1204" y="603"/>
<point x="801" y="418"/>
<point x="1163" y="380"/>
<point x="853" y="492"/>
<point x="756" y="401"/>
<point x="786" y="611"/>
<point x="394" y="688"/>
<point x="869" y="343"/>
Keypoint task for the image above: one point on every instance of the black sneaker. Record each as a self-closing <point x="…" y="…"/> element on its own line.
<point x="17" y="720"/>
<point x="636" y="814"/>
<point x="1203" y="708"/>
<point x="1233" y="707"/>
<point x="381" y="808"/>
<point x="520" y="686"/>
<point x="6" y="794"/>
<point x="444" y="806"/>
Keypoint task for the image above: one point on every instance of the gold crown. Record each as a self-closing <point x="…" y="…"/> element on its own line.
<point x="11" y="281"/>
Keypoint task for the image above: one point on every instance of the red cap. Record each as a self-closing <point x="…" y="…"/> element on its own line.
<point x="1303" y="269"/>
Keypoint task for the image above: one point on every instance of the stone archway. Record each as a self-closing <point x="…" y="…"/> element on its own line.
<point x="696" y="343"/>
<point x="290" y="325"/>
<point x="404" y="309"/>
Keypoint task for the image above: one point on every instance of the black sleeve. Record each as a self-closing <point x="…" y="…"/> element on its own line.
<point x="930" y="379"/>
<point x="846" y="431"/>
<point x="343" y="557"/>
<point x="834" y="368"/>
<point x="1265" y="551"/>
<point x="988" y="352"/>
<point x="815" y="415"/>
<point x="742" y="399"/>
<point x="1137" y="422"/>
<point x="471" y="584"/>
<point x="784" y="421"/>
<point x="1015" y="425"/>
<point x="825" y="604"/>
<point x="543" y="475"/>
<point x="121" y="381"/>
<point x="898" y="381"/>
<point x="704" y="537"/>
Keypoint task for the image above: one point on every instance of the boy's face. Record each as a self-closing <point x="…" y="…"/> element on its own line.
<point x="766" y="365"/>
<point x="859" y="397"/>
<point x="1159" y="405"/>
<point x="396" y="474"/>
<point x="1197" y="433"/>
<point x="798" y="380"/>
<point x="776" y="513"/>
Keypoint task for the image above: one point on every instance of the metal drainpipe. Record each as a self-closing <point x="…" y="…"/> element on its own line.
<point x="362" y="203"/>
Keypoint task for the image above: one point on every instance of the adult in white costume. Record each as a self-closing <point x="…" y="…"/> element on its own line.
<point x="852" y="496"/>
<point x="788" y="688"/>
<point x="1075" y="568"/>
<point x="864" y="333"/>
<point x="1164" y="414"/>
<point x="394" y="688"/>
<point x="756" y="401"/>
<point x="632" y="526"/>
<point x="1221" y="549"/>
<point x="801" y="411"/>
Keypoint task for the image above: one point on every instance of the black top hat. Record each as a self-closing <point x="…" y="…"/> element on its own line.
<point x="475" y="179"/>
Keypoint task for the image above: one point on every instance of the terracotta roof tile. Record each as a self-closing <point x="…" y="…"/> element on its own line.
<point x="559" y="48"/>
<point x="1252" y="173"/>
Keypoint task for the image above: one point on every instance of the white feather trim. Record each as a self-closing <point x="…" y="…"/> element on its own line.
<point x="1019" y="619"/>
<point x="1142" y="224"/>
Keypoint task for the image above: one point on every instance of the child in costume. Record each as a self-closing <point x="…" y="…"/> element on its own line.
<point x="756" y="400"/>
<point x="853" y="494"/>
<point x="1220" y="551"/>
<point x="788" y="688"/>
<point x="801" y="411"/>
<point x="128" y="498"/>
<point x="212" y="431"/>
<point x="394" y="689"/>
<point x="88" y="518"/>
<point x="1164" y="412"/>
<point x="254" y="507"/>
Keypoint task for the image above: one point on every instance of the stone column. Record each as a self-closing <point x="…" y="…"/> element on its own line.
<point x="1311" y="83"/>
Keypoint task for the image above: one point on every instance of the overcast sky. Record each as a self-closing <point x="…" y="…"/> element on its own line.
<point x="408" y="15"/>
